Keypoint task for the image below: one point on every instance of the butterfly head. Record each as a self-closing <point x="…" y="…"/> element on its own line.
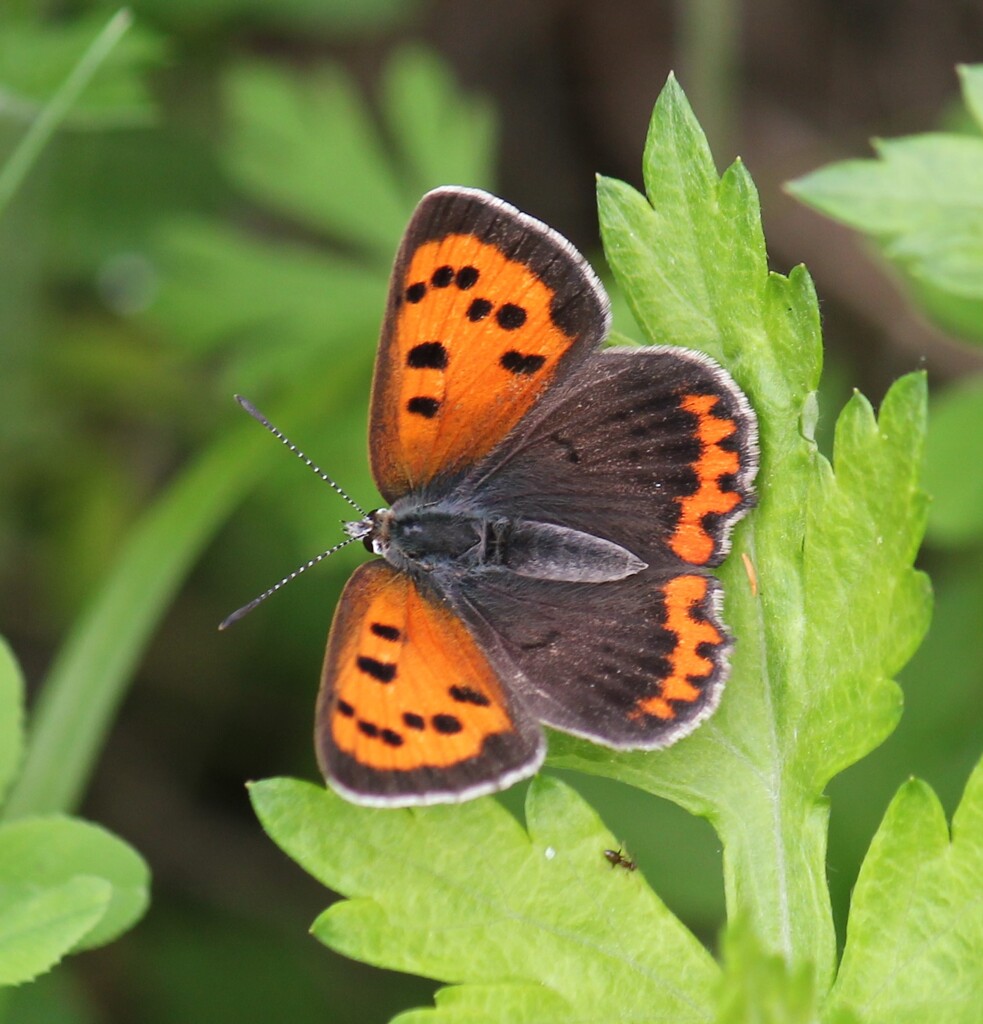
<point x="373" y="530"/>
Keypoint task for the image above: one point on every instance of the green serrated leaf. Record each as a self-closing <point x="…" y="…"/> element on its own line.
<point x="38" y="929"/>
<point x="490" y="1004"/>
<point x="829" y="550"/>
<point x="914" y="949"/>
<point x="39" y="853"/>
<point x="867" y="608"/>
<point x="954" y="465"/>
<point x="11" y="717"/>
<point x="920" y="201"/>
<point x="606" y="947"/>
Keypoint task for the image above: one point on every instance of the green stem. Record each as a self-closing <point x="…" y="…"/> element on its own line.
<point x="53" y="113"/>
<point x="93" y="668"/>
<point x="89" y="678"/>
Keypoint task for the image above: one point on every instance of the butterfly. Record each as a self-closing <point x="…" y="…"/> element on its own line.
<point x="553" y="511"/>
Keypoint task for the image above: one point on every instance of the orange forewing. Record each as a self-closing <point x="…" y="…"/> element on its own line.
<point x="480" y="324"/>
<point x="447" y="417"/>
<point x="406" y="689"/>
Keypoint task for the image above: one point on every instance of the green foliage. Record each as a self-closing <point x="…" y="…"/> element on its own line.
<point x="277" y="292"/>
<point x="802" y="704"/>
<point x="541" y="928"/>
<point x="921" y="203"/>
<point x="760" y="987"/>
<point x="954" y="465"/>
<point x="605" y="946"/>
<point x="65" y="884"/>
<point x="916" y="930"/>
<point x="36" y="59"/>
<point x="287" y="134"/>
<point x="340" y="19"/>
<point x="81" y="63"/>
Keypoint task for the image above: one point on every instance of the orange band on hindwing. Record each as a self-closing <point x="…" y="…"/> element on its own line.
<point x="684" y="598"/>
<point x="691" y="540"/>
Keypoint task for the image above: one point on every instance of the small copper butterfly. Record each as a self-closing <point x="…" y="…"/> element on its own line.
<point x="554" y="509"/>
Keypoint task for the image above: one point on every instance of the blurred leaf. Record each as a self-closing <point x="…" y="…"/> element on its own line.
<point x="37" y="930"/>
<point x="89" y="677"/>
<point x="915" y="935"/>
<point x="36" y="57"/>
<point x="105" y="198"/>
<point x="839" y="608"/>
<point x="760" y="987"/>
<point x="73" y="82"/>
<point x="307" y="146"/>
<point x="954" y="465"/>
<point x="971" y="78"/>
<point x="444" y="136"/>
<point x="334" y="19"/>
<point x="44" y="853"/>
<point x="922" y="202"/>
<point x="55" y="998"/>
<point x="11" y="717"/>
<point x="606" y="947"/>
<point x="224" y="288"/>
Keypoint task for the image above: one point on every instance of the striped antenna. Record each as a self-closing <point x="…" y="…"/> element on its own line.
<point x="353" y="534"/>
<point x="247" y="608"/>
<point x="257" y="415"/>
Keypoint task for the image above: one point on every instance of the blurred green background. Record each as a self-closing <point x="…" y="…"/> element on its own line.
<point x="217" y="214"/>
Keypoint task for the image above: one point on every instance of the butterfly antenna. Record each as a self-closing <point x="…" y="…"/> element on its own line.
<point x="247" y="608"/>
<point x="257" y="415"/>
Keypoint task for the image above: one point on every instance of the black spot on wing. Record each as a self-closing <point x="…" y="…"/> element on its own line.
<point x="468" y="695"/>
<point x="478" y="310"/>
<point x="381" y="671"/>
<point x="520" y="365"/>
<point x="428" y="355"/>
<point x="510" y="317"/>
<point x="421" y="406"/>
<point x="467" y="277"/>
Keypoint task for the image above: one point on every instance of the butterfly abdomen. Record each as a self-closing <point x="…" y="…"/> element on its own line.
<point x="459" y="541"/>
